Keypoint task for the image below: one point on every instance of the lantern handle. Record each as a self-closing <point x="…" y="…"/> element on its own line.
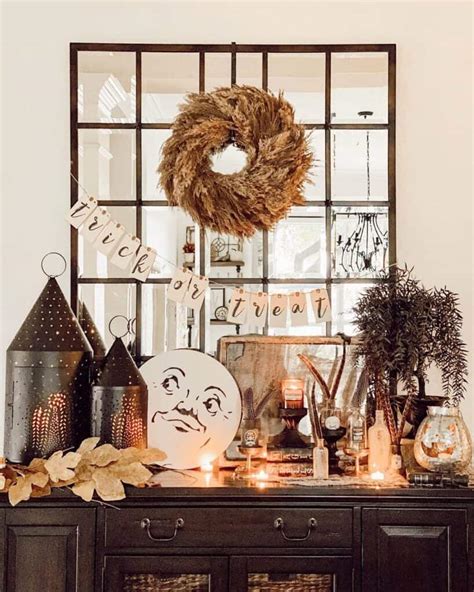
<point x="127" y="330"/>
<point x="132" y="326"/>
<point x="55" y="275"/>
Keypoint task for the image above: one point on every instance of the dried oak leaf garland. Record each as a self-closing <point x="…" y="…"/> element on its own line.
<point x="278" y="160"/>
<point x="91" y="469"/>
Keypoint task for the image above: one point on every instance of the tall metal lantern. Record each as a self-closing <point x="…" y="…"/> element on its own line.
<point x="90" y="329"/>
<point x="120" y="398"/>
<point x="48" y="379"/>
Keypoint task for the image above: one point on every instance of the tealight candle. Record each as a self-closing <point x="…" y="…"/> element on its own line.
<point x="377" y="476"/>
<point x="206" y="465"/>
<point x="292" y="390"/>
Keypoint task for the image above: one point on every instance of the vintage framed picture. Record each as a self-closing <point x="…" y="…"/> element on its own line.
<point x="260" y="363"/>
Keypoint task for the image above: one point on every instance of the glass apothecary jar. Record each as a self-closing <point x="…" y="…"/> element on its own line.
<point x="443" y="442"/>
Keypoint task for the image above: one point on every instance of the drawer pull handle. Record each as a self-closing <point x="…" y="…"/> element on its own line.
<point x="279" y="524"/>
<point x="146" y="525"/>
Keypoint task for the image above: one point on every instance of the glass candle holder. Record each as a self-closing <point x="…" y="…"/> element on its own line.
<point x="292" y="390"/>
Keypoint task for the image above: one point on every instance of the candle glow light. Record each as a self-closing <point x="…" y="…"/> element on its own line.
<point x="377" y="476"/>
<point x="292" y="390"/>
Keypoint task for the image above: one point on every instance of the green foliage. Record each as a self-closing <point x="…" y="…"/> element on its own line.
<point x="405" y="328"/>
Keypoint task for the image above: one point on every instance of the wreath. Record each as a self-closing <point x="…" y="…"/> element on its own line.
<point x="278" y="160"/>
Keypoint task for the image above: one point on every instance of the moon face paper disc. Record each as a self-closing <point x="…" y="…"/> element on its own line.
<point x="194" y="407"/>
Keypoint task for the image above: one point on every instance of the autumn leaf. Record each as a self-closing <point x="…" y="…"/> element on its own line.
<point x="85" y="490"/>
<point x="37" y="464"/>
<point x="19" y="491"/>
<point x="88" y="445"/>
<point x="60" y="467"/>
<point x="102" y="456"/>
<point x="151" y="456"/>
<point x="38" y="479"/>
<point x="133" y="473"/>
<point x="84" y="471"/>
<point x="147" y="456"/>
<point x="41" y="491"/>
<point x="108" y="487"/>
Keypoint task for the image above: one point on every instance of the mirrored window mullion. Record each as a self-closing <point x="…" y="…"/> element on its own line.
<point x="138" y="197"/>
<point x="327" y="157"/>
<point x="202" y="231"/>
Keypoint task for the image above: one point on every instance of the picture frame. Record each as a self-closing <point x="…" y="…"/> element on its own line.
<point x="261" y="362"/>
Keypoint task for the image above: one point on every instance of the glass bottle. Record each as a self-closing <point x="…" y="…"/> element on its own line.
<point x="320" y="460"/>
<point x="356" y="445"/>
<point x="379" y="445"/>
<point x="443" y="442"/>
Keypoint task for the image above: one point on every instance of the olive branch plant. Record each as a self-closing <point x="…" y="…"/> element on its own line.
<point x="404" y="329"/>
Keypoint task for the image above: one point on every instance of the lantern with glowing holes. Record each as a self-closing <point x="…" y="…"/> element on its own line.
<point x="48" y="379"/>
<point x="120" y="398"/>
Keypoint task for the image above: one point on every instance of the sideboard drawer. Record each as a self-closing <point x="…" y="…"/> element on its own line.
<point x="231" y="527"/>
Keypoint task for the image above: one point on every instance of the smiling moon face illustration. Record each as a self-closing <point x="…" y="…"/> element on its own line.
<point x="194" y="407"/>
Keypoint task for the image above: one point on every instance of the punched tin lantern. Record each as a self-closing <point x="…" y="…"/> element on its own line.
<point x="48" y="379"/>
<point x="90" y="329"/>
<point x="120" y="398"/>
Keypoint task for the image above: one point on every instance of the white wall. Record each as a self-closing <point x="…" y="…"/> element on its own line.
<point x="434" y="131"/>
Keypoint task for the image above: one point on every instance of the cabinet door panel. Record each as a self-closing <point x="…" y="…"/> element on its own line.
<point x="282" y="574"/>
<point x="165" y="574"/>
<point x="422" y="550"/>
<point x="50" y="549"/>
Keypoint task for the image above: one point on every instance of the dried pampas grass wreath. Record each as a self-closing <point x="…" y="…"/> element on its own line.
<point x="278" y="160"/>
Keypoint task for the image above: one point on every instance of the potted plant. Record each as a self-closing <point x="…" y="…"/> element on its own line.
<point x="404" y="329"/>
<point x="188" y="250"/>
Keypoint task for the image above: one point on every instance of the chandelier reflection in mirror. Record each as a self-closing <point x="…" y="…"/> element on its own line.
<point x="361" y="237"/>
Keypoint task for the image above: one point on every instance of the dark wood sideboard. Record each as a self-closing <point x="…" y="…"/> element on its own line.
<point x="185" y="536"/>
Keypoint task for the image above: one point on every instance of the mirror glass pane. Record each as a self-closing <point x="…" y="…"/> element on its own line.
<point x="152" y="146"/>
<point x="359" y="84"/>
<point x="91" y="262"/>
<point x="249" y="69"/>
<point x="167" y="78"/>
<point x="315" y="190"/>
<point x="301" y="77"/>
<point x="166" y="324"/>
<point x="343" y="300"/>
<point x="359" y="165"/>
<point x="231" y="257"/>
<point x="297" y="246"/>
<point x="360" y="242"/>
<point x="104" y="301"/>
<point x="217" y="70"/>
<point x="217" y="327"/>
<point x="107" y="163"/>
<point x="106" y="86"/>
<point x="167" y="230"/>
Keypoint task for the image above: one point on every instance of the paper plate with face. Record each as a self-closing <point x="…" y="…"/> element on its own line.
<point x="194" y="407"/>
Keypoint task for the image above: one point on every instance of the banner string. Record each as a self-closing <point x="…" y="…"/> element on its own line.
<point x="154" y="266"/>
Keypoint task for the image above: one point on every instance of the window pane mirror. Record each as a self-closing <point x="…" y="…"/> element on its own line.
<point x="124" y="99"/>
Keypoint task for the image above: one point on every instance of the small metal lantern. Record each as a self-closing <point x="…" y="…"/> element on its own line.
<point x="48" y="379"/>
<point x="120" y="399"/>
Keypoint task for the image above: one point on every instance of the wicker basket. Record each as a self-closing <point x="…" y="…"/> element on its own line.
<point x="293" y="583"/>
<point x="157" y="583"/>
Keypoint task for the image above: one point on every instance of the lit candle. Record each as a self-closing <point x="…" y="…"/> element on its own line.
<point x="292" y="390"/>
<point x="206" y="465"/>
<point x="262" y="475"/>
<point x="377" y="476"/>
